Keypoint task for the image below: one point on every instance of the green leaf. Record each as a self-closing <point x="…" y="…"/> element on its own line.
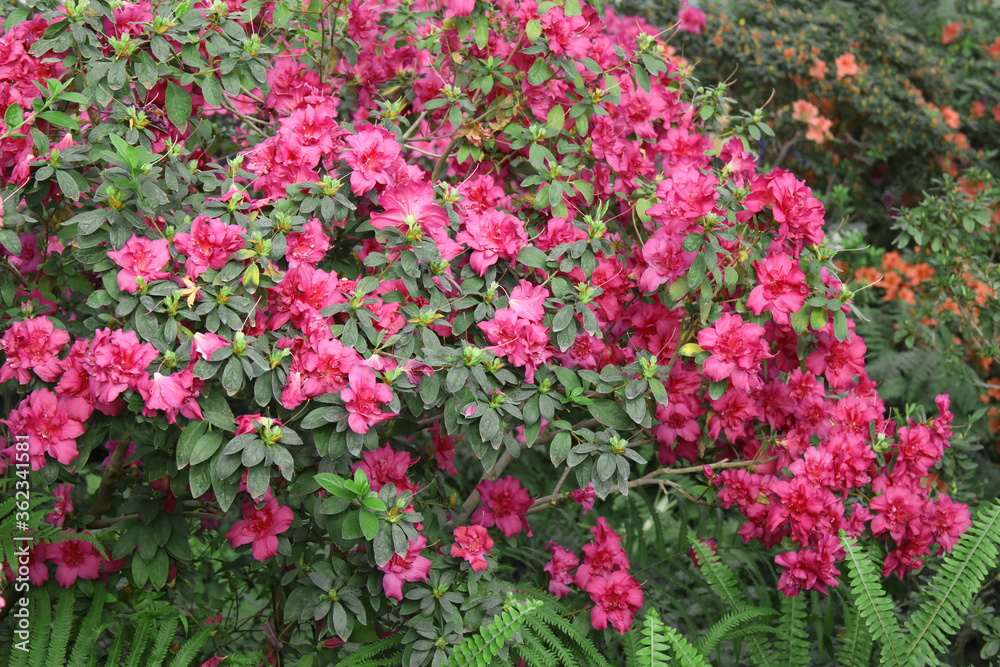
<point x="559" y="449"/>
<point x="190" y="436"/>
<point x="206" y="447"/>
<point x="61" y="119"/>
<point x="178" y="105"/>
<point x="610" y="414"/>
<point x="369" y="524"/>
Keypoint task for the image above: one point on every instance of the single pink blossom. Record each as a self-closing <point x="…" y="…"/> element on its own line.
<point x="411" y="567"/>
<point x="261" y="526"/>
<point x="472" y="543"/>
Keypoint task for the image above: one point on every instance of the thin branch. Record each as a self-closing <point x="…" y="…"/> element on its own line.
<point x="109" y="480"/>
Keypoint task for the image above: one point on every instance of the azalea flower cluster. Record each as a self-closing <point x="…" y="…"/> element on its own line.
<point x="363" y="300"/>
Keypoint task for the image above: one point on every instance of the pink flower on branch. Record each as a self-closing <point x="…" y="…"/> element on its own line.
<point x="472" y="543"/>
<point x="411" y="567"/>
<point x="737" y="349"/>
<point x="261" y="527"/>
<point x="505" y="504"/>
<point x="32" y="345"/>
<point x="363" y="398"/>
<point x="141" y="259"/>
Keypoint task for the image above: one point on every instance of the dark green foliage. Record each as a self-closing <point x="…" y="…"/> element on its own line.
<point x="482" y="648"/>
<point x="377" y="654"/>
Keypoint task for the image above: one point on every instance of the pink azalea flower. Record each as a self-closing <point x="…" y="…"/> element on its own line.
<point x="173" y="394"/>
<point x="74" y="559"/>
<point x="363" y="397"/>
<point x="115" y="362"/>
<point x="411" y="567"/>
<point x="412" y="210"/>
<point x="308" y="246"/>
<point x="602" y="555"/>
<point x="64" y="504"/>
<point x="847" y="66"/>
<point x="616" y="599"/>
<point x="666" y="260"/>
<point x="261" y="526"/>
<point x="737" y="349"/>
<point x="691" y="20"/>
<point x="585" y="497"/>
<point x="472" y="543"/>
<point x="444" y="450"/>
<point x="781" y="288"/>
<point x="52" y="424"/>
<point x="209" y="244"/>
<point x="384" y="466"/>
<point x="141" y="258"/>
<point x="527" y="301"/>
<point x="523" y="343"/>
<point x="373" y="155"/>
<point x="203" y="345"/>
<point x="32" y="345"/>
<point x="563" y="560"/>
<point x="492" y="235"/>
<point x="504" y="505"/>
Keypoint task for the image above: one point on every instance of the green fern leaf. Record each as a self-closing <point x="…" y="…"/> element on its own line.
<point x="483" y="647"/>
<point x="540" y="630"/>
<point x="723" y="581"/>
<point x="725" y="627"/>
<point x="686" y="654"/>
<point x="653" y="642"/>
<point x="873" y="604"/>
<point x="190" y="649"/>
<point x="86" y="636"/>
<point x="549" y="614"/>
<point x="946" y="600"/>
<point x="792" y="636"/>
<point x="371" y="650"/>
<point x="854" y="648"/>
<point x="162" y="643"/>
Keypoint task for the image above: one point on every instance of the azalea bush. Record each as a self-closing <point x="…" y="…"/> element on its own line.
<point x="870" y="102"/>
<point x="353" y="325"/>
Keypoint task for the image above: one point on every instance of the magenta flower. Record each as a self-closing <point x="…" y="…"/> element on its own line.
<point x="666" y="260"/>
<point x="373" y="155"/>
<point x="203" y="345"/>
<point x="115" y="362"/>
<point x="616" y="599"/>
<point x="781" y="288"/>
<point x="386" y="466"/>
<point x="585" y="497"/>
<point x="692" y="20"/>
<point x="308" y="246"/>
<point x="523" y="343"/>
<point x="209" y="244"/>
<point x="363" y="397"/>
<point x="411" y="567"/>
<point x="737" y="349"/>
<point x="52" y="424"/>
<point x="563" y="560"/>
<point x="505" y="504"/>
<point x="74" y="559"/>
<point x="64" y="504"/>
<point x="32" y="345"/>
<point x="492" y="235"/>
<point x="527" y="301"/>
<point x="472" y="543"/>
<point x="141" y="258"/>
<point x="261" y="526"/>
<point x="412" y="210"/>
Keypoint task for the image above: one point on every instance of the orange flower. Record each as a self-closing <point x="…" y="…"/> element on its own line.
<point x="994" y="49"/>
<point x="819" y="129"/>
<point x="818" y="70"/>
<point x="804" y="111"/>
<point x="847" y="66"/>
<point x="978" y="109"/>
<point x="788" y="53"/>
<point x="951" y="118"/>
<point x="950" y="32"/>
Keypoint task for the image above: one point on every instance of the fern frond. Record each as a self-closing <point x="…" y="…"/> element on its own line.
<point x="854" y="648"/>
<point x="86" y="636"/>
<point x="873" y="604"/>
<point x="190" y="649"/>
<point x="793" y="640"/>
<point x="946" y="600"/>
<point x="162" y="642"/>
<point x="723" y="581"/>
<point x="371" y="650"/>
<point x="481" y="649"/>
<point x="653" y="642"/>
<point x="544" y="634"/>
<point x="685" y="653"/>
<point x="39" y="641"/>
<point x="725" y="626"/>
<point x="533" y="651"/>
<point x="550" y="616"/>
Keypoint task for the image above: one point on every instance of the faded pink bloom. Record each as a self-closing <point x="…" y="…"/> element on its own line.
<point x="847" y="66"/>
<point x="472" y="543"/>
<point x="141" y="258"/>
<point x="411" y="567"/>
<point x="363" y="397"/>
<point x="504" y="505"/>
<point x="209" y="244"/>
<point x="261" y="526"/>
<point x="32" y="345"/>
